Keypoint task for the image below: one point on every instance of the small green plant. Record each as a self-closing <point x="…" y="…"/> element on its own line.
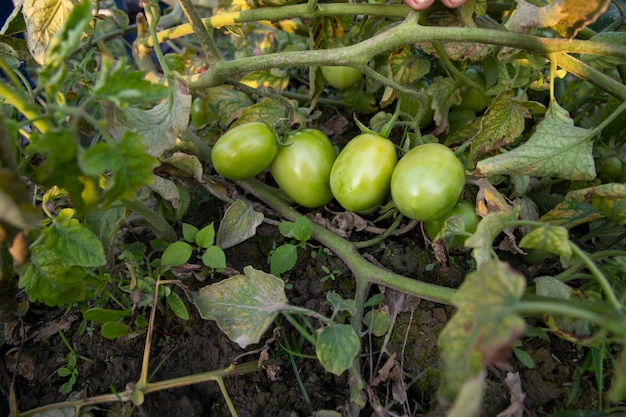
<point x="284" y="257"/>
<point x="68" y="368"/>
<point x="332" y="275"/>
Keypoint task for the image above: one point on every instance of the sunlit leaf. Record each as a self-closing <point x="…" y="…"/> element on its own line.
<point x="160" y="125"/>
<point x="44" y="20"/>
<point x="556" y="149"/>
<point x="243" y="306"/>
<point x="51" y="281"/>
<point x="267" y="79"/>
<point x="576" y="15"/>
<point x="483" y="329"/>
<point x="239" y="223"/>
<point x="337" y="346"/>
<point x="554" y="239"/>
<point x="73" y="242"/>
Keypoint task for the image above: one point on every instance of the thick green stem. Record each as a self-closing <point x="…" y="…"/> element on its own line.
<point x="586" y="72"/>
<point x="362" y="269"/>
<point x="206" y="42"/>
<point x="161" y="226"/>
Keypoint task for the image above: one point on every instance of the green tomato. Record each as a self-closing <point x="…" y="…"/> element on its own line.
<point x="611" y="168"/>
<point x="466" y="211"/>
<point x="360" y="176"/>
<point x="341" y="77"/>
<point x="427" y="182"/>
<point x="302" y="167"/>
<point x="472" y="99"/>
<point x="244" y="151"/>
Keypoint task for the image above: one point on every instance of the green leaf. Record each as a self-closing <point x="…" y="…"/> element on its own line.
<point x="189" y="232"/>
<point x="377" y="321"/>
<point x="403" y="67"/>
<point x="243" y="306"/>
<point x="337" y="346"/>
<point x="160" y="125"/>
<point x="74" y="242"/>
<point x="556" y="149"/>
<point x="206" y="236"/>
<point x="445" y="93"/>
<point x="501" y="125"/>
<point x="554" y="239"/>
<point x="603" y="62"/>
<point x="105" y="224"/>
<point x="177" y="305"/>
<point x="176" y="254"/>
<point x="112" y="330"/>
<point x="58" y="412"/>
<point x="299" y="230"/>
<point x="239" y="223"/>
<point x="16" y="208"/>
<point x="122" y="86"/>
<point x="63" y="372"/>
<point x="102" y="315"/>
<point x="283" y="258"/>
<point x="268" y="111"/>
<point x="488" y="229"/>
<point x="571" y="213"/>
<point x="608" y="199"/>
<point x="51" y="281"/>
<point x="214" y="257"/>
<point x="469" y="399"/>
<point x="126" y="162"/>
<point x="483" y="329"/>
<point x="339" y="304"/>
<point x="524" y="358"/>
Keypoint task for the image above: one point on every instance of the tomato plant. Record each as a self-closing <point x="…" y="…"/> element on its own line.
<point x="411" y="106"/>
<point x="360" y="176"/>
<point x="463" y="210"/>
<point x="472" y="99"/>
<point x="244" y="151"/>
<point x="341" y="77"/>
<point x="427" y="182"/>
<point x="302" y="167"/>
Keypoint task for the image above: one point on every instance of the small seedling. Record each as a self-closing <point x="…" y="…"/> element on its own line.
<point x="332" y="275"/>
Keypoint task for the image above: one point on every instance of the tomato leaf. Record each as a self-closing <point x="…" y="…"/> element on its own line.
<point x="502" y="124"/>
<point x="576" y="15"/>
<point x="239" y="223"/>
<point x="102" y="315"/>
<point x="105" y="224"/>
<point x="52" y="281"/>
<point x="445" y="93"/>
<point x="603" y="62"/>
<point x="160" y="125"/>
<point x="189" y="164"/>
<point x="483" y="329"/>
<point x="585" y="205"/>
<point x="16" y="208"/>
<point x="273" y="79"/>
<point x="73" y="242"/>
<point x="225" y="104"/>
<point x="488" y="229"/>
<point x="268" y="111"/>
<point x="244" y="306"/>
<point x="403" y="67"/>
<point x="121" y="86"/>
<point x="337" y="346"/>
<point x="554" y="239"/>
<point x="556" y="149"/>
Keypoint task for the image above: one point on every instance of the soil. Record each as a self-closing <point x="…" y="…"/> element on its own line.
<point x="182" y="348"/>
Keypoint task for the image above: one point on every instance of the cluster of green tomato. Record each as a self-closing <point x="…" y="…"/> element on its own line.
<point x="425" y="184"/>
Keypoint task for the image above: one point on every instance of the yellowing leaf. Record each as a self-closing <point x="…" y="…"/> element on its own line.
<point x="243" y="306"/>
<point x="483" y="329"/>
<point x="501" y="125"/>
<point x="578" y="14"/>
<point x="556" y="149"/>
<point x="44" y="19"/>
